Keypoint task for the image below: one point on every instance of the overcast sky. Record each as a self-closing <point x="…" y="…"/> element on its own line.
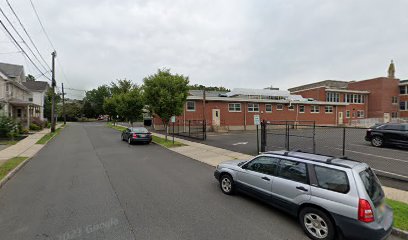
<point x="231" y="43"/>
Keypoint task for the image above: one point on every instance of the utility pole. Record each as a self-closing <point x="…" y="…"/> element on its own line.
<point x="53" y="84"/>
<point x="63" y="104"/>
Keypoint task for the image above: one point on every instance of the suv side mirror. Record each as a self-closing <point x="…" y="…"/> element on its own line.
<point x="245" y="166"/>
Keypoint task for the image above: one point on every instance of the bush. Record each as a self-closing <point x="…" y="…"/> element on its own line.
<point x="24" y="131"/>
<point x="37" y="121"/>
<point x="34" y="127"/>
<point x="8" y="127"/>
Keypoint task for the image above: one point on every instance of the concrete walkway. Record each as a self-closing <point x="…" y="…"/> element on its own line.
<point x="213" y="156"/>
<point x="24" y="148"/>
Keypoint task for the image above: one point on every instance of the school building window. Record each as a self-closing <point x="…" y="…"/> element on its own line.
<point x="301" y="109"/>
<point x="234" y="107"/>
<point x="394" y="100"/>
<point x="328" y="109"/>
<point x="268" y="107"/>
<point x="314" y="109"/>
<point x="404" y="106"/>
<point x="332" y="97"/>
<point x="404" y="89"/>
<point x="291" y="107"/>
<point x="360" y="114"/>
<point x="253" y="107"/>
<point x="354" y="98"/>
<point x="279" y="107"/>
<point x="348" y="114"/>
<point x="190" y="106"/>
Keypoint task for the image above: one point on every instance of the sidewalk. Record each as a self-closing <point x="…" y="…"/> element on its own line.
<point x="213" y="156"/>
<point x="24" y="148"/>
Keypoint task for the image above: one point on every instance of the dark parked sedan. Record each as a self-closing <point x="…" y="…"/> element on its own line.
<point x="136" y="134"/>
<point x="389" y="133"/>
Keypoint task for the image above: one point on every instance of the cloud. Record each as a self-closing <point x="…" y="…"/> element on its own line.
<point x="233" y="43"/>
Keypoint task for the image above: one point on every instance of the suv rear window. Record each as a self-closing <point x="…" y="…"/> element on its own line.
<point x="332" y="179"/>
<point x="372" y="185"/>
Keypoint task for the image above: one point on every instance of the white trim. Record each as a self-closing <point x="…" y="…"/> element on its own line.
<point x="304" y="109"/>
<point x="270" y="110"/>
<point x="240" y="107"/>
<point x="281" y="109"/>
<point x="346" y="91"/>
<point x="253" y="107"/>
<point x="191" y="110"/>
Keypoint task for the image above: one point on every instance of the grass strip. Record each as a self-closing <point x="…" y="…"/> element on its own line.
<point x="8" y="142"/>
<point x="116" y="127"/>
<point x="168" y="143"/>
<point x="47" y="137"/>
<point x="9" y="165"/>
<point x="157" y="140"/>
<point x="400" y="214"/>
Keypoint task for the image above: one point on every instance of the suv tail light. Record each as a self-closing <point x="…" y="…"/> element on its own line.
<point x="365" y="212"/>
<point x="134" y="135"/>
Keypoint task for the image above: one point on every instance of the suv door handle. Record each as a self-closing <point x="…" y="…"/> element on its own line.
<point x="301" y="188"/>
<point x="266" y="179"/>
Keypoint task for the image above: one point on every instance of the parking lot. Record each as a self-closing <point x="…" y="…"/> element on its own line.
<point x="389" y="162"/>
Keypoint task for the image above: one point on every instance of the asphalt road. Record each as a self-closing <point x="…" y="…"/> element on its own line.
<point x="87" y="184"/>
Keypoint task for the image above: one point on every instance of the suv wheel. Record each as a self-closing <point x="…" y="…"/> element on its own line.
<point x="227" y="184"/>
<point x="316" y="224"/>
<point x="377" y="141"/>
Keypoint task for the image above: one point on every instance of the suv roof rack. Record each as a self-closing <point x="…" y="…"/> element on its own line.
<point x="329" y="160"/>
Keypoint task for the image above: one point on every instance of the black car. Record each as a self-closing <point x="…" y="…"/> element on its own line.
<point x="136" y="134"/>
<point x="389" y="133"/>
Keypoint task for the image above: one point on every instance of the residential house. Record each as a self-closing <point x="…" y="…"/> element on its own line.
<point x="39" y="91"/>
<point x="14" y="96"/>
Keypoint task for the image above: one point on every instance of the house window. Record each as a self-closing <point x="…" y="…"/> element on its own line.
<point x="291" y="108"/>
<point x="332" y="97"/>
<point x="30" y="99"/>
<point x="360" y="114"/>
<point x="7" y="87"/>
<point x="348" y="114"/>
<point x="404" y="89"/>
<point x="301" y="109"/>
<point x="253" y="107"/>
<point x="328" y="109"/>
<point x="314" y="109"/>
<point x="234" y="107"/>
<point x="279" y="107"/>
<point x="190" y="106"/>
<point x="404" y="106"/>
<point x="268" y="107"/>
<point x="19" y="112"/>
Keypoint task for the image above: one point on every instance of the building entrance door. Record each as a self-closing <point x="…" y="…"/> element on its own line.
<point x="340" y="117"/>
<point x="216" y="117"/>
<point x="387" y="118"/>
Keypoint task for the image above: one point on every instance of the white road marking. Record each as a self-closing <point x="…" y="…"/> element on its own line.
<point x="390" y="173"/>
<point x="240" y="143"/>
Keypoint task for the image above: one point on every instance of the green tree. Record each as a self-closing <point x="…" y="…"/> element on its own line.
<point x="122" y="86"/>
<point x="165" y="94"/>
<point x="94" y="100"/>
<point x="30" y="77"/>
<point x="130" y="105"/>
<point x="202" y="87"/>
<point x="48" y="104"/>
<point x="73" y="110"/>
<point x="109" y="106"/>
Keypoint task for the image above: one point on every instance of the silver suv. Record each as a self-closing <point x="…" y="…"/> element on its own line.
<point x="330" y="196"/>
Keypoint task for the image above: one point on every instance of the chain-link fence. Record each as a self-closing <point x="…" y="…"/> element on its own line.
<point x="334" y="141"/>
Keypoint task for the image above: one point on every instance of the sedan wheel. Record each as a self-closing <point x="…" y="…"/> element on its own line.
<point x="316" y="224"/>
<point x="129" y="141"/>
<point x="377" y="142"/>
<point x="227" y="184"/>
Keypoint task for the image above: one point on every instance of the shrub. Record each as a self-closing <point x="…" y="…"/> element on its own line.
<point x="8" y="127"/>
<point x="34" y="127"/>
<point x="24" y="131"/>
<point x="37" y="121"/>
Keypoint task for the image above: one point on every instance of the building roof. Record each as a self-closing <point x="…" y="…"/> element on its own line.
<point x="36" y="85"/>
<point x="258" y="92"/>
<point x="404" y="82"/>
<point x="199" y="93"/>
<point x="11" y="70"/>
<point x="325" y="83"/>
<point x="346" y="91"/>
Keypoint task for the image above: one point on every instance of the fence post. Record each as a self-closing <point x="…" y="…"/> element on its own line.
<point x="344" y="141"/>
<point x="189" y="127"/>
<point x="204" y="130"/>
<point x="314" y="136"/>
<point x="263" y="136"/>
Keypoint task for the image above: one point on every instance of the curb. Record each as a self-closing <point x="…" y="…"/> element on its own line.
<point x="13" y="172"/>
<point x="400" y="233"/>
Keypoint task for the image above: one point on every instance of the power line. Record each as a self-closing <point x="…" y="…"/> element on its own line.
<point x="42" y="26"/>
<point x="15" y="30"/>
<point x="11" y="52"/>
<point x="19" y="46"/>
<point x="28" y="35"/>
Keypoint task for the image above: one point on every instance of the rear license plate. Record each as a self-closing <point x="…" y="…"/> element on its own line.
<point x="142" y="135"/>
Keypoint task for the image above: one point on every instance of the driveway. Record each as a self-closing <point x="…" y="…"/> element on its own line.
<point x="87" y="184"/>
